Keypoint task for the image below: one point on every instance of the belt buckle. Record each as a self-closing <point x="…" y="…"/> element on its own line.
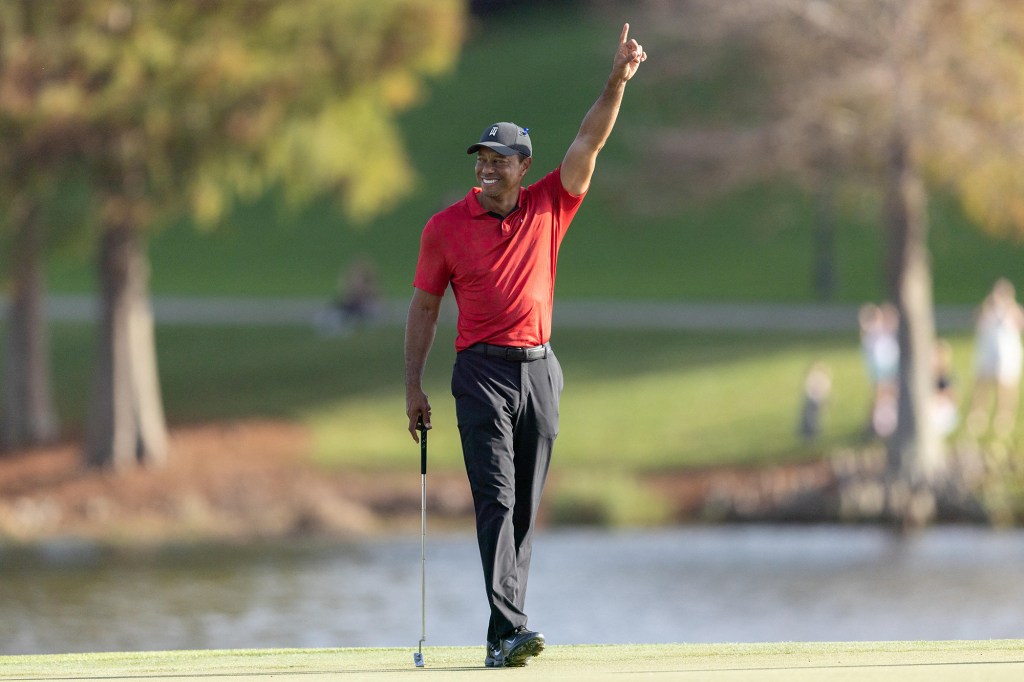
<point x="513" y="354"/>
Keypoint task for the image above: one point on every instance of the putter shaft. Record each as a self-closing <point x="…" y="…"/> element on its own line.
<point x="418" y="656"/>
<point x="423" y="559"/>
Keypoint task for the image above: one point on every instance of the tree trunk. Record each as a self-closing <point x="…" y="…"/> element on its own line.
<point x="916" y="457"/>
<point x="824" y="241"/>
<point x="29" y="416"/>
<point x="126" y="424"/>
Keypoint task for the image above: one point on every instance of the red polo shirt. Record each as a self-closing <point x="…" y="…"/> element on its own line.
<point x="502" y="272"/>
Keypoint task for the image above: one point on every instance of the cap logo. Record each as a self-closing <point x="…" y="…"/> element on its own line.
<point x="494" y="131"/>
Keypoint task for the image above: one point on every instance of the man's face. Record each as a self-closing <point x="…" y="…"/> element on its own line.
<point x="498" y="174"/>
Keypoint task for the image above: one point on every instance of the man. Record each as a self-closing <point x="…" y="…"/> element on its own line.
<point x="498" y="249"/>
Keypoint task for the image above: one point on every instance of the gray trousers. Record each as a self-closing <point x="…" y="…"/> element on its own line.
<point x="508" y="420"/>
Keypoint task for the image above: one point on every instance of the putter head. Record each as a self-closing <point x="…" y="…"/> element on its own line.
<point x="417" y="658"/>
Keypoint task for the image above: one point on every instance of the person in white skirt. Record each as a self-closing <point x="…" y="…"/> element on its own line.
<point x="999" y="357"/>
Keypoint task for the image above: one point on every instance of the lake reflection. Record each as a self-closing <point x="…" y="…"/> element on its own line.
<point x="730" y="584"/>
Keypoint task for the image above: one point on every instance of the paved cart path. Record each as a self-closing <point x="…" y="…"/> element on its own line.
<point x="588" y="314"/>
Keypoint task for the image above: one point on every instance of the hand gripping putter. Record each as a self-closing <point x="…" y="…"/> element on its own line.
<point x="418" y="656"/>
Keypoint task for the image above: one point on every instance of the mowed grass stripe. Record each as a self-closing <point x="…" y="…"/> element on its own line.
<point x="635" y="401"/>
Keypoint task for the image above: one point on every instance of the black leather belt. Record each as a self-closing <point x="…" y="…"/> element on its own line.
<point x="511" y="353"/>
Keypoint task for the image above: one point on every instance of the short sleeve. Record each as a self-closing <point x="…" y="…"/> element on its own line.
<point x="432" y="272"/>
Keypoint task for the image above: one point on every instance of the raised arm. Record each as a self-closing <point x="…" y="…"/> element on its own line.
<point x="578" y="164"/>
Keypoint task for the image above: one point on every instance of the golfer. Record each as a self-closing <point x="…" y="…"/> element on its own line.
<point x="498" y="249"/>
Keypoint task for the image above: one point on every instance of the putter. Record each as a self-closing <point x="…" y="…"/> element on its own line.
<point x="417" y="657"/>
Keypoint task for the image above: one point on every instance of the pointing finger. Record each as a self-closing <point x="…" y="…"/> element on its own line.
<point x="625" y="32"/>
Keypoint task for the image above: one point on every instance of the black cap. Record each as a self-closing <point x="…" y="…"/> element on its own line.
<point x="506" y="139"/>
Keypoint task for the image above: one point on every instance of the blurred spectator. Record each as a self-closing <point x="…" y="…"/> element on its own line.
<point x="817" y="390"/>
<point x="356" y="302"/>
<point x="997" y="362"/>
<point x="879" y="326"/>
<point x="944" y="409"/>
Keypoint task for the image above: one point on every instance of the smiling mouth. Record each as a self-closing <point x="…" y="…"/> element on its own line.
<point x="486" y="181"/>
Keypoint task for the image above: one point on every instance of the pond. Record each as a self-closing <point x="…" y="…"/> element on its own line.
<point x="703" y="584"/>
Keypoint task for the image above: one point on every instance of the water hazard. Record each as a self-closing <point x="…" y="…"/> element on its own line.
<point x="732" y="584"/>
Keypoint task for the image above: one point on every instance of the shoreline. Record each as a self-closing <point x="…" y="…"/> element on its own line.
<point x="249" y="482"/>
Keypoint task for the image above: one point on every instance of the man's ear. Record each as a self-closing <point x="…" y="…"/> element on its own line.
<point x="524" y="165"/>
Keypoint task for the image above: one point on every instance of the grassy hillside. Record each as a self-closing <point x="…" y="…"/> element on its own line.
<point x="674" y="400"/>
<point x="635" y="400"/>
<point x="753" y="244"/>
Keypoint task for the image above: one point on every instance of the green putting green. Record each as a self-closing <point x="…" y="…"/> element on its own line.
<point x="989" y="660"/>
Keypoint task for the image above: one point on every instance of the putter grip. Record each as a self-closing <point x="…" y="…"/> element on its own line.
<point x="423" y="448"/>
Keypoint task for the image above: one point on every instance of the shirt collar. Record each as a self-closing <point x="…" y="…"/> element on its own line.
<point x="476" y="210"/>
